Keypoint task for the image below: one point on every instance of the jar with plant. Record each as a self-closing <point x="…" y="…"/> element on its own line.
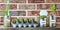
<point x="14" y="23"/>
<point x="7" y="16"/>
<point x="43" y="20"/>
<point x="43" y="17"/>
<point x="30" y="22"/>
<point x="25" y="22"/>
<point x="19" y="22"/>
<point x="52" y="14"/>
<point x="35" y="23"/>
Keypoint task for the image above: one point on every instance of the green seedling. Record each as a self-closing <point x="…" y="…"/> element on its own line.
<point x="6" y="11"/>
<point x="19" y="21"/>
<point x="14" y="21"/>
<point x="42" y="16"/>
<point x="53" y="8"/>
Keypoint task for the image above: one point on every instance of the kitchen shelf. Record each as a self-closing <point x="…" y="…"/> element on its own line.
<point x="24" y="16"/>
<point x="30" y="10"/>
<point x="21" y="16"/>
<point x="29" y="3"/>
<point x="21" y="3"/>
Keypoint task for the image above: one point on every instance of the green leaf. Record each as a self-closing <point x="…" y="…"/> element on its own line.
<point x="30" y="21"/>
<point x="6" y="11"/>
<point x="42" y="16"/>
<point x="19" y="21"/>
<point x="25" y="21"/>
<point x="14" y="21"/>
<point x="53" y="8"/>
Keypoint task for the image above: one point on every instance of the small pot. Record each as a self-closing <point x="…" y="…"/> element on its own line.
<point x="29" y="25"/>
<point x="35" y="25"/>
<point x="20" y="25"/>
<point x="24" y="25"/>
<point x="14" y="25"/>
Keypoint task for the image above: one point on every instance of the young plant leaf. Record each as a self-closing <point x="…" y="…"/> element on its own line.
<point x="6" y="11"/>
<point x="53" y="8"/>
